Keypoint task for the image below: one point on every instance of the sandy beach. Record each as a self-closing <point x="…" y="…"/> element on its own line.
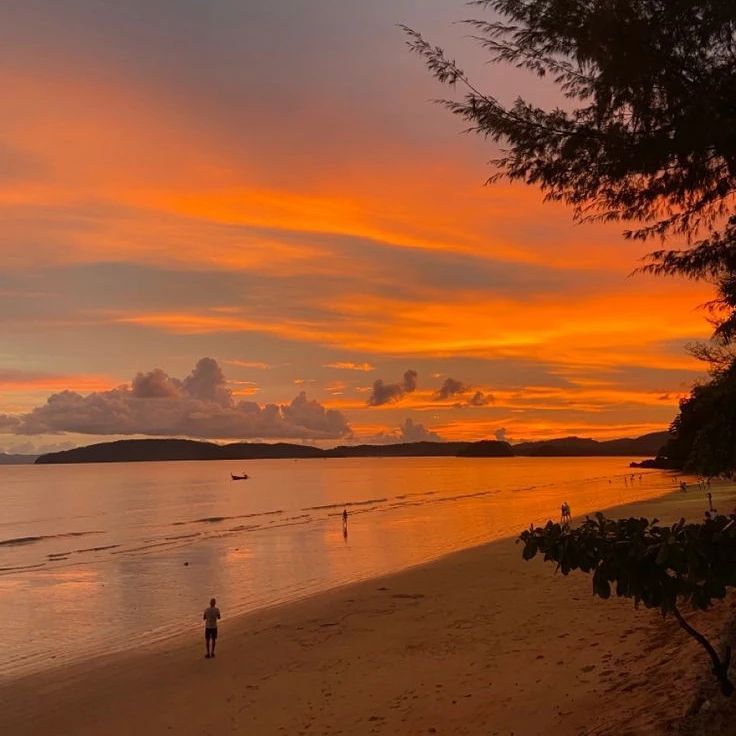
<point x="478" y="642"/>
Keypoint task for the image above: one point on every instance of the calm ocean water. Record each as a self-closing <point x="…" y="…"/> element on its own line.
<point x="94" y="557"/>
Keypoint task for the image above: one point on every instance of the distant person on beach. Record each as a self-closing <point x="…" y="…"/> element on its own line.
<point x="345" y="522"/>
<point x="565" y="516"/>
<point x="210" y="617"/>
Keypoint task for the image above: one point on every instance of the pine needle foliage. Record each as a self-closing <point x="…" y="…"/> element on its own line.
<point x="647" y="133"/>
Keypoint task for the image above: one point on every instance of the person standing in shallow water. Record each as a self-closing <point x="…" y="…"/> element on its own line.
<point x="211" y="617"/>
<point x="345" y="522"/>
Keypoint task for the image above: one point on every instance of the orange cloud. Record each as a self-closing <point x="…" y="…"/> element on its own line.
<point x="161" y="188"/>
<point x="350" y="366"/>
<point x="118" y="173"/>
<point x="22" y="381"/>
<point x="581" y="332"/>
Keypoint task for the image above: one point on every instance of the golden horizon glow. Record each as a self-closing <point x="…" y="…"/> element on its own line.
<point x="155" y="214"/>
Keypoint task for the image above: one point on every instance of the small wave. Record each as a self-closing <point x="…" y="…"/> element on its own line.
<point x="15" y="541"/>
<point x="22" y="567"/>
<point x="346" y="505"/>
<point x="219" y="519"/>
<point x="462" y="496"/>
<point x="96" y="549"/>
<point x="19" y="540"/>
<point x="419" y="493"/>
<point x="289" y="523"/>
<point x="143" y="548"/>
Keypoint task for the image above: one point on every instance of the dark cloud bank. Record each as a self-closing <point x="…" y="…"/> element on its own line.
<point x="200" y="405"/>
<point x="386" y="393"/>
<point x="452" y="388"/>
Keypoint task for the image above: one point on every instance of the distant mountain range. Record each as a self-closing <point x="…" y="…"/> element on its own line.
<point x="16" y="459"/>
<point x="648" y="444"/>
<point x="177" y="449"/>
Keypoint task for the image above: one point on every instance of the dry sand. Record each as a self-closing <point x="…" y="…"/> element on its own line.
<point x="479" y="642"/>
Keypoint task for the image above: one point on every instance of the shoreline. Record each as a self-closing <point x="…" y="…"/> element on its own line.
<point x="226" y="552"/>
<point x="162" y="639"/>
<point x="442" y="613"/>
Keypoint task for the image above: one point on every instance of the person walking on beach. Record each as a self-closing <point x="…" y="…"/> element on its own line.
<point x="345" y="522"/>
<point x="210" y="617"/>
<point x="565" y="516"/>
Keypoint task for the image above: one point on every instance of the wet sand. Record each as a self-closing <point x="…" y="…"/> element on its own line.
<point x="478" y="642"/>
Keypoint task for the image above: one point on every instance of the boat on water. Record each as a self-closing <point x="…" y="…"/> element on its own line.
<point x="239" y="477"/>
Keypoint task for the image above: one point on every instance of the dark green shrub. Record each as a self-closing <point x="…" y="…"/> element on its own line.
<point x="657" y="566"/>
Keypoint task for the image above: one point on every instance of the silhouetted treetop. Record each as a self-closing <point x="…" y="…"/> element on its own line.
<point x="648" y="134"/>
<point x="704" y="431"/>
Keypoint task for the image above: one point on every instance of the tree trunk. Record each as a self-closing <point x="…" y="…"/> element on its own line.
<point x="720" y="667"/>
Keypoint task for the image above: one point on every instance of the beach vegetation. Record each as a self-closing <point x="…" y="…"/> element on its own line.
<point x="669" y="568"/>
<point x="704" y="432"/>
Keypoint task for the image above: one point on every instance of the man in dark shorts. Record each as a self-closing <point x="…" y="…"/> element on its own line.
<point x="211" y="616"/>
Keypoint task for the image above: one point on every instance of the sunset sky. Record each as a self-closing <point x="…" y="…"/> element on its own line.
<point x="269" y="186"/>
